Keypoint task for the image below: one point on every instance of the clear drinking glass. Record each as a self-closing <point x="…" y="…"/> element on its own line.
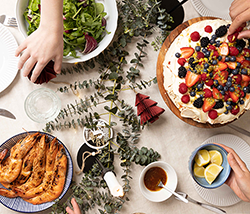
<point x="42" y="105"/>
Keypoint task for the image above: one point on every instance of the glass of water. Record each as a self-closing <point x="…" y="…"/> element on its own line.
<point x="42" y="105"/>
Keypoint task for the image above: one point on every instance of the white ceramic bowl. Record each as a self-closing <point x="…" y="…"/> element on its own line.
<point x="112" y="16"/>
<point x="161" y="195"/>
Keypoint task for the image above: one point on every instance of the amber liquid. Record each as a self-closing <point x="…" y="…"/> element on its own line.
<point x="153" y="177"/>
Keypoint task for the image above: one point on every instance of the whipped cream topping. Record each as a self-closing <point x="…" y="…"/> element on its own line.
<point x="172" y="81"/>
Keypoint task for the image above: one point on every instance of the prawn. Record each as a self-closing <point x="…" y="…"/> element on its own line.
<point x="10" y="171"/>
<point x="57" y="182"/>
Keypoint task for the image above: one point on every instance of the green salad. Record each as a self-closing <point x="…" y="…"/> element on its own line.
<point x="83" y="20"/>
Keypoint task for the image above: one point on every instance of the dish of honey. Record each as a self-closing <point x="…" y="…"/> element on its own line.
<point x="153" y="177"/>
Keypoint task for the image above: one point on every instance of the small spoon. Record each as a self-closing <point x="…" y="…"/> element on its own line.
<point x="173" y="192"/>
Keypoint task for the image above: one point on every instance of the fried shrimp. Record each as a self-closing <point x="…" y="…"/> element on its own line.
<point x="57" y="182"/>
<point x="50" y="162"/>
<point x="10" y="171"/>
<point x="38" y="168"/>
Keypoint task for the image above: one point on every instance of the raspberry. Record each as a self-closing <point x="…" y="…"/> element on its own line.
<point x="226" y="97"/>
<point x="211" y="48"/>
<point x="208" y="29"/>
<point x="185" y="98"/>
<point x="246" y="52"/>
<point x="203" y="77"/>
<point x="237" y="78"/>
<point x="208" y="93"/>
<point x="195" y="36"/>
<point x="183" y="88"/>
<point x="239" y="29"/>
<point x="235" y="110"/>
<point x="216" y="54"/>
<point x="232" y="37"/>
<point x="233" y="51"/>
<point x="209" y="82"/>
<point x="200" y="55"/>
<point x="213" y="114"/>
<point x="181" y="61"/>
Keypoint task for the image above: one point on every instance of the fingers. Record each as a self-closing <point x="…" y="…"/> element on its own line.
<point x="37" y="70"/>
<point x="240" y="19"/>
<point x="69" y="211"/>
<point x="58" y="65"/>
<point x="244" y="34"/>
<point x="75" y="206"/>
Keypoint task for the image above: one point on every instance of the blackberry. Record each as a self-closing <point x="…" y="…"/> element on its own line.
<point x="204" y="42"/>
<point x="192" y="63"/>
<point x="221" y="31"/>
<point x="241" y="43"/>
<point x="182" y="72"/>
<point x="218" y="104"/>
<point x="198" y="103"/>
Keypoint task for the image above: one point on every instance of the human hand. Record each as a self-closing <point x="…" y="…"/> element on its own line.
<point x="239" y="179"/>
<point x="75" y="207"/>
<point x="240" y="14"/>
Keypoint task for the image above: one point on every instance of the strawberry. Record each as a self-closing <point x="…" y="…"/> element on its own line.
<point x="240" y="58"/>
<point x="203" y="77"/>
<point x="183" y="88"/>
<point x="200" y="55"/>
<point x="233" y="37"/>
<point x="235" y="95"/>
<point x="191" y="78"/>
<point x="208" y="104"/>
<point x="213" y="114"/>
<point x="245" y="63"/>
<point x="233" y="51"/>
<point x="226" y="96"/>
<point x="235" y="110"/>
<point x="231" y="65"/>
<point x="195" y="36"/>
<point x="237" y="78"/>
<point x="185" y="98"/>
<point x="186" y="52"/>
<point x="223" y="49"/>
<point x="211" y="47"/>
<point x="222" y="66"/>
<point x="239" y="29"/>
<point x="209" y="82"/>
<point x="216" y="94"/>
<point x="208" y="29"/>
<point x="244" y="83"/>
<point x="181" y="61"/>
<point x="207" y="93"/>
<point x="245" y="78"/>
<point x="242" y="94"/>
<point x="221" y="76"/>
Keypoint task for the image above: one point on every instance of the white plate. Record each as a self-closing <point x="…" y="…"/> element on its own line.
<point x="224" y="196"/>
<point x="215" y="8"/>
<point x="8" y="61"/>
<point x="112" y="17"/>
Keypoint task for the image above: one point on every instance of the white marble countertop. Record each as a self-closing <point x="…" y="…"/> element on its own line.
<point x="171" y="137"/>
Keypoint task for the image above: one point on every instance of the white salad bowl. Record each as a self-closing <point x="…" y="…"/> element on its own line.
<point x="111" y="24"/>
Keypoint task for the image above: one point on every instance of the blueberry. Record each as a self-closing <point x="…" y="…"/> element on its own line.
<point x="232" y="89"/>
<point x="227" y="59"/>
<point x="192" y="93"/>
<point x="214" y="62"/>
<point x="247" y="58"/>
<point x="225" y="88"/>
<point x="198" y="48"/>
<point x="211" y="74"/>
<point x="223" y="92"/>
<point x="220" y="87"/>
<point x="204" y="50"/>
<point x="228" y="84"/>
<point x="246" y="89"/>
<point x="217" y="43"/>
<point x="228" y="26"/>
<point x="200" y="86"/>
<point x="232" y="58"/>
<point x="214" y="36"/>
<point x="219" y="58"/>
<point x="207" y="54"/>
<point x="212" y="41"/>
<point x="177" y="55"/>
<point x="229" y="107"/>
<point x="206" y="65"/>
<point x="228" y="102"/>
<point x="226" y="112"/>
<point x="205" y="70"/>
<point x="241" y="102"/>
<point x="238" y="65"/>
<point x="244" y="71"/>
<point x="216" y="82"/>
<point x="235" y="71"/>
<point x="229" y="79"/>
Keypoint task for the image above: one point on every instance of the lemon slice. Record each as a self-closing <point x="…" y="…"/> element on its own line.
<point x="211" y="172"/>
<point x="199" y="171"/>
<point x="202" y="157"/>
<point x="216" y="157"/>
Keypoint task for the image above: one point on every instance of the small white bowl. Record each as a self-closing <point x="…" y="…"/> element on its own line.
<point x="112" y="17"/>
<point x="161" y="195"/>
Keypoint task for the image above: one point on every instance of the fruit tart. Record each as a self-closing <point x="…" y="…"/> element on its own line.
<point x="207" y="72"/>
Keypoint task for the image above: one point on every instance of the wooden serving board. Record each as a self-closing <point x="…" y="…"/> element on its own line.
<point x="160" y="77"/>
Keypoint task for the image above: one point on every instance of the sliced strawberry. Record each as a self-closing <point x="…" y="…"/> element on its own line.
<point x="233" y="51"/>
<point x="209" y="82"/>
<point x="245" y="63"/>
<point x="245" y="78"/>
<point x="223" y="49"/>
<point x="186" y="52"/>
<point x="181" y="61"/>
<point x="208" y="104"/>
<point x="244" y="83"/>
<point x="240" y="58"/>
<point x="195" y="36"/>
<point x="222" y="66"/>
<point x="235" y="95"/>
<point x="237" y="78"/>
<point x="231" y="65"/>
<point x="235" y="110"/>
<point x="216" y="94"/>
<point x="221" y="76"/>
<point x="246" y="52"/>
<point x="207" y="93"/>
<point x="213" y="114"/>
<point x="191" y="78"/>
<point x="233" y="37"/>
<point x="226" y="96"/>
<point x="239" y="29"/>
